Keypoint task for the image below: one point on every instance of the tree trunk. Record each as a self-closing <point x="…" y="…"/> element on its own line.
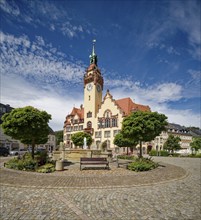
<point x="32" y="148"/>
<point x="140" y="155"/>
<point x="127" y="150"/>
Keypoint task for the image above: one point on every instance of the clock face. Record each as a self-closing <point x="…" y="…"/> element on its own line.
<point x="98" y="87"/>
<point x="89" y="87"/>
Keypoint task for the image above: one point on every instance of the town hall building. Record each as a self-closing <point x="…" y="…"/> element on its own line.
<point x="100" y="116"/>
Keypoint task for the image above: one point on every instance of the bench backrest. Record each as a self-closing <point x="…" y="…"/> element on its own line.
<point x="93" y="159"/>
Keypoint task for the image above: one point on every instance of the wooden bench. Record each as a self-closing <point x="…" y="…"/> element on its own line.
<point x="94" y="161"/>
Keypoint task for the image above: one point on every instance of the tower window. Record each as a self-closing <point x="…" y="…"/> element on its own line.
<point x="89" y="97"/>
<point x="89" y="124"/>
<point x="89" y="114"/>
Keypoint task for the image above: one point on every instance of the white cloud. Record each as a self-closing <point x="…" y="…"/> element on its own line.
<point x="159" y="93"/>
<point x="163" y="92"/>
<point x="10" y="8"/>
<point x="162" y="46"/>
<point x="182" y="117"/>
<point x="17" y="92"/>
<point x="186" y="17"/>
<point x="157" y="97"/>
<point x="192" y="88"/>
<point x="71" y="30"/>
<point x="36" y="59"/>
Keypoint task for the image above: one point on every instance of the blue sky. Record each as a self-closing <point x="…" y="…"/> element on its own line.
<point x="147" y="50"/>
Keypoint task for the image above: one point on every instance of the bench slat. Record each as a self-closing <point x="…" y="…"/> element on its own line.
<point x="94" y="161"/>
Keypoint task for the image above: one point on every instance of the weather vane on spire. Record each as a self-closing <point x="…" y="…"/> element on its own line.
<point x="93" y="57"/>
<point x="93" y="50"/>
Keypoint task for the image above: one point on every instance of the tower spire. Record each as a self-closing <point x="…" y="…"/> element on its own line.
<point x="93" y="57"/>
<point x="93" y="49"/>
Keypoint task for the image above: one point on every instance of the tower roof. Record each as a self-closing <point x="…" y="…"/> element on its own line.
<point x="93" y="57"/>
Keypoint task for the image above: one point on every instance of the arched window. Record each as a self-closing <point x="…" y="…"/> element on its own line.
<point x="107" y="122"/>
<point x="89" y="114"/>
<point x="89" y="124"/>
<point x="107" y="113"/>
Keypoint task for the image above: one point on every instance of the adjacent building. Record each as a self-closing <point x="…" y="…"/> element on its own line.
<point x="177" y="130"/>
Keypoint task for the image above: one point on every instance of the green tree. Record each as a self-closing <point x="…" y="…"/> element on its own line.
<point x="28" y="124"/>
<point x="196" y="143"/>
<point x="143" y="126"/>
<point x="59" y="137"/>
<point x="78" y="139"/>
<point x="121" y="141"/>
<point x="172" y="143"/>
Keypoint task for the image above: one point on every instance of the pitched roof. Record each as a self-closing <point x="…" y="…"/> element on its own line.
<point x="125" y="104"/>
<point x="78" y="111"/>
<point x="128" y="106"/>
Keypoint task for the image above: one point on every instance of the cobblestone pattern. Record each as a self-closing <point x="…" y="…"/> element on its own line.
<point x="97" y="178"/>
<point x="172" y="200"/>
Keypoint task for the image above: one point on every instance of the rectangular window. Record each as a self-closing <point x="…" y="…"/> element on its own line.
<point x="107" y="122"/>
<point x="114" y="122"/>
<point x="75" y="128"/>
<point x="115" y="132"/>
<point x="81" y="127"/>
<point x="107" y="134"/>
<point x="98" y="134"/>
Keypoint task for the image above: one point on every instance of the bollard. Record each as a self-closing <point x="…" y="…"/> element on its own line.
<point x="59" y="165"/>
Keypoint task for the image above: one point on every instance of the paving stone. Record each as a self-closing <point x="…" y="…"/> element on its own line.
<point x="171" y="192"/>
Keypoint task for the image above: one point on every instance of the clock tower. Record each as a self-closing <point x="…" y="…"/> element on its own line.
<point x="93" y="87"/>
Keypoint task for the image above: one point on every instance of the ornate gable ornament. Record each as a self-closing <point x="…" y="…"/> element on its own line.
<point x="108" y="95"/>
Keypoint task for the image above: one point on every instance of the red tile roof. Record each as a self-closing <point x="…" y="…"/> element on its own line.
<point x="128" y="106"/>
<point x="125" y="104"/>
<point x="79" y="112"/>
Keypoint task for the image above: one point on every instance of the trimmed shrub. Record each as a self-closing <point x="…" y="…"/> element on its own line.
<point x="28" y="164"/>
<point x="41" y="157"/>
<point x="175" y="154"/>
<point x="19" y="164"/>
<point x="153" y="153"/>
<point x="126" y="157"/>
<point x="142" y="164"/>
<point x="164" y="153"/>
<point x="195" y="155"/>
<point x="47" y="168"/>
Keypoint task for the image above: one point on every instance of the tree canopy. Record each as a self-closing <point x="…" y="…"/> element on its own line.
<point x="78" y="139"/>
<point x="143" y="126"/>
<point x="28" y="124"/>
<point x="172" y="143"/>
<point x="59" y="137"/>
<point x="121" y="141"/>
<point x="196" y="143"/>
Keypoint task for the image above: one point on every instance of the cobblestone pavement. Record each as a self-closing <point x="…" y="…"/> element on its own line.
<point x="169" y="192"/>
